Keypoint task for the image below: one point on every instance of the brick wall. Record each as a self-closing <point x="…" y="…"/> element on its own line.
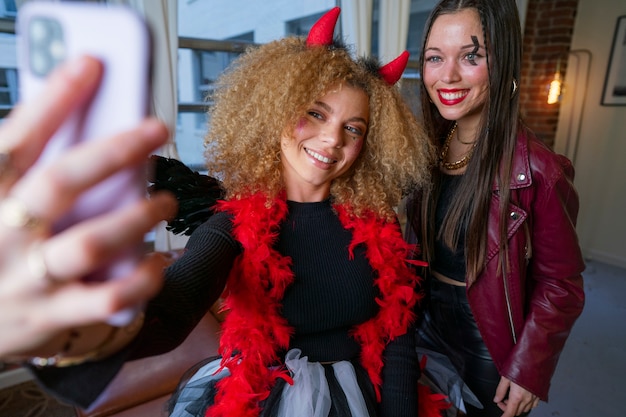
<point x="547" y="38"/>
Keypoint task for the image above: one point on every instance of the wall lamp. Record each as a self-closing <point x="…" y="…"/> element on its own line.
<point x="571" y="96"/>
<point x="554" y="92"/>
<point x="556" y="87"/>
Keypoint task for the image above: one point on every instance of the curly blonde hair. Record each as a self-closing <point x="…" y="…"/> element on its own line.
<point x="268" y="88"/>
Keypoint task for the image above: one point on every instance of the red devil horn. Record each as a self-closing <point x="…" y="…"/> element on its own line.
<point x="321" y="32"/>
<point x="392" y="71"/>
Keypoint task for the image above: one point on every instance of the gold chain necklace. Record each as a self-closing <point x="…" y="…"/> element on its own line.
<point x="451" y="166"/>
<point x="471" y="142"/>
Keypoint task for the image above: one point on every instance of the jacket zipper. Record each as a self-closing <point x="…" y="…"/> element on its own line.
<point x="508" y="304"/>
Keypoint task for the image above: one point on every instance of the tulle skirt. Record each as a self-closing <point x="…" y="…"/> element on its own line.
<point x="319" y="390"/>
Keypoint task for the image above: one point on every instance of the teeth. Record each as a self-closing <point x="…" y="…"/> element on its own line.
<point x="453" y="96"/>
<point x="319" y="157"/>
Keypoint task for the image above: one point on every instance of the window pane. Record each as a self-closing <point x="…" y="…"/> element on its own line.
<point x="8" y="73"/>
<point x="7" y="8"/>
<point x="302" y="25"/>
<point x="420" y="9"/>
<point x="410" y="88"/>
<point x="210" y="65"/>
<point x="197" y="71"/>
<point x="8" y="87"/>
<point x="191" y="127"/>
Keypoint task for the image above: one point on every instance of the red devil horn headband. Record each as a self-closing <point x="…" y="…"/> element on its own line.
<point x="321" y="34"/>
<point x="392" y="71"/>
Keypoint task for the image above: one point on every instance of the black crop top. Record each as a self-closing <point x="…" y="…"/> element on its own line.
<point x="448" y="262"/>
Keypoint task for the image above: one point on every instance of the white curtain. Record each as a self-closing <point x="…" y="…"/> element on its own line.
<point x="356" y="25"/>
<point x="162" y="16"/>
<point x="393" y="28"/>
<point x="522" y="6"/>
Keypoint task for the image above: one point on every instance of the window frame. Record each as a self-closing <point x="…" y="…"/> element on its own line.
<point x="207" y="45"/>
<point x="6" y="26"/>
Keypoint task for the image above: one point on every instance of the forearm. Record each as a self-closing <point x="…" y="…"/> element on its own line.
<point x="553" y="310"/>
<point x="81" y="384"/>
<point x="400" y="375"/>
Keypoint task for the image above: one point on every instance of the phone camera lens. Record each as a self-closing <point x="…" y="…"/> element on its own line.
<point x="47" y="46"/>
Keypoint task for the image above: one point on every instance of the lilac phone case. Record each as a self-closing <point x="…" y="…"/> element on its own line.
<point x="49" y="33"/>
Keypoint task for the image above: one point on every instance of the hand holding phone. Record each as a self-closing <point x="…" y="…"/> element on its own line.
<point x="51" y="33"/>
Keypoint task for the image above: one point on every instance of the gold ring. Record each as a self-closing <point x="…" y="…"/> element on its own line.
<point x="36" y="264"/>
<point x="13" y="213"/>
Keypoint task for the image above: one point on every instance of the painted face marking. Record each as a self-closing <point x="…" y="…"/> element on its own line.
<point x="455" y="71"/>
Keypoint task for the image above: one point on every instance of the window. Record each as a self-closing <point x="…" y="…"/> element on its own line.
<point x="301" y="26"/>
<point x="8" y="8"/>
<point x="8" y="88"/>
<point x="208" y="45"/>
<point x="8" y="64"/>
<point x="199" y="64"/>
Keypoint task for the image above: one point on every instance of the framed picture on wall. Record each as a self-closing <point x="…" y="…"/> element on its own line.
<point x="614" y="93"/>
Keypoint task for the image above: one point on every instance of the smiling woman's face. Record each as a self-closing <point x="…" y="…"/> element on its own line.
<point x="325" y="143"/>
<point x="455" y="69"/>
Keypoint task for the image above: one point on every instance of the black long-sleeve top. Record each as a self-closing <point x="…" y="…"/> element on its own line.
<point x="330" y="295"/>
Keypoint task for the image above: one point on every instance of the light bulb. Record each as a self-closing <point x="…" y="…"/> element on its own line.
<point x="554" y="94"/>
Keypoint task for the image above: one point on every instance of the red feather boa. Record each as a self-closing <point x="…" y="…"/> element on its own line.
<point x="254" y="330"/>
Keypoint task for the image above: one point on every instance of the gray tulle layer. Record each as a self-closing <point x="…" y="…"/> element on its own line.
<point x="319" y="390"/>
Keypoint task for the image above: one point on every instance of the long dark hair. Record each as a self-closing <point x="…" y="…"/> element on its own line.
<point x="497" y="133"/>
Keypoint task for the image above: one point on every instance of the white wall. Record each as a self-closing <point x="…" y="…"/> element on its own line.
<point x="600" y="154"/>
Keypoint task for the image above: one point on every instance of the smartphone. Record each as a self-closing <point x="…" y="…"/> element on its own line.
<point x="49" y="33"/>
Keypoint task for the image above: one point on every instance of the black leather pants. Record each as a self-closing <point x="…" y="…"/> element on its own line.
<point x="448" y="327"/>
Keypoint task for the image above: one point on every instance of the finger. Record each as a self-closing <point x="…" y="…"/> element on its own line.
<point x="533" y="404"/>
<point x="502" y="390"/>
<point x="98" y="240"/>
<point x="508" y="408"/>
<point x="520" y="403"/>
<point x="520" y="399"/>
<point x="530" y="404"/>
<point x="86" y="165"/>
<point x="29" y="126"/>
<point x="54" y="311"/>
<point x="16" y="218"/>
<point x="100" y="301"/>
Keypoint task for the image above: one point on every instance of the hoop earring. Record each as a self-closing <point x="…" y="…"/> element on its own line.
<point x="514" y="87"/>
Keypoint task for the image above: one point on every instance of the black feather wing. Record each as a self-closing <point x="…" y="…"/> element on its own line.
<point x="196" y="193"/>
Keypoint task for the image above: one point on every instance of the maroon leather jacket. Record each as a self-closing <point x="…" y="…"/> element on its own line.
<point x="526" y="315"/>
